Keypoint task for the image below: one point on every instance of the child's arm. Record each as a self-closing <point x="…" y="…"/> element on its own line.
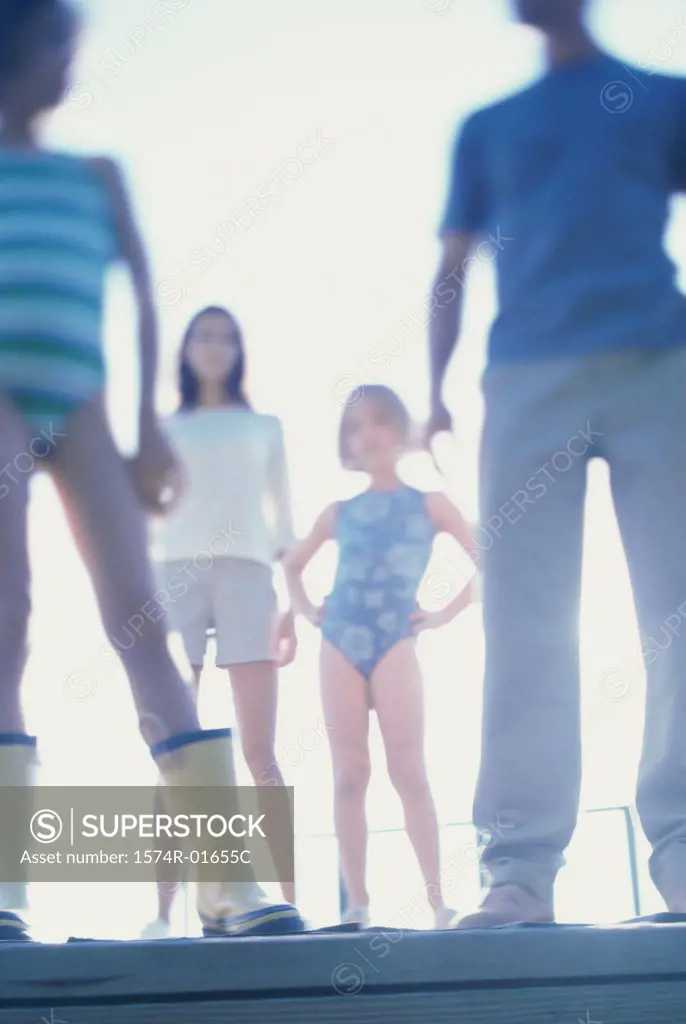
<point x="155" y="465"/>
<point x="297" y="560"/>
<point x="447" y="518"/>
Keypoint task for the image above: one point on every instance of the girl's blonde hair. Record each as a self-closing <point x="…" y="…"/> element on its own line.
<point x="384" y="398"/>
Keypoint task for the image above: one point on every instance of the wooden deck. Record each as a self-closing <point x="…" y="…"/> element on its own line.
<point x="631" y="974"/>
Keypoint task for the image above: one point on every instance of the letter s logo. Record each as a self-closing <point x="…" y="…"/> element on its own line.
<point x="46" y="826"/>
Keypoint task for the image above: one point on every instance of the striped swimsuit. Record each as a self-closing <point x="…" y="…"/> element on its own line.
<point x="56" y="242"/>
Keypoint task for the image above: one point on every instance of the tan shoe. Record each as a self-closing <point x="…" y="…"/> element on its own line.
<point x="357" y="915"/>
<point x="158" y="929"/>
<point x="509" y="904"/>
<point x="444" y="918"/>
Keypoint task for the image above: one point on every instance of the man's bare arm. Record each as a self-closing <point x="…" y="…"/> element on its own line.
<point x="447" y="298"/>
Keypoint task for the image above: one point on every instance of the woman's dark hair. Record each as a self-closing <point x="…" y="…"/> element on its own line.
<point x="384" y="398"/>
<point x="15" y="18"/>
<point x="189" y="386"/>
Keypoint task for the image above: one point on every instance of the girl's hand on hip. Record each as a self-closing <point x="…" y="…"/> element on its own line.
<point x="423" y="620"/>
<point x="314" y="615"/>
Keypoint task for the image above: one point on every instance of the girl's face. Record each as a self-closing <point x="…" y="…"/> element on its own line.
<point x="371" y="436"/>
<point x="46" y="54"/>
<point x="213" y="348"/>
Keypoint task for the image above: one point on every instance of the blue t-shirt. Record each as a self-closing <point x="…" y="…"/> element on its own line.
<point x="571" y="181"/>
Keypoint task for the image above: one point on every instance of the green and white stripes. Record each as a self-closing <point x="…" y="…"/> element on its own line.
<point x="56" y="242"/>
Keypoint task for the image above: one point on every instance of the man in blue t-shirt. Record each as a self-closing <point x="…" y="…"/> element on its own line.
<point x="567" y="185"/>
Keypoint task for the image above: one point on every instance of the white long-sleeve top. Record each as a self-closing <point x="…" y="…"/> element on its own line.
<point x="236" y="501"/>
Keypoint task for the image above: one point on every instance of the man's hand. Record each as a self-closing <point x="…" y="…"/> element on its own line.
<point x="439" y="422"/>
<point x="155" y="470"/>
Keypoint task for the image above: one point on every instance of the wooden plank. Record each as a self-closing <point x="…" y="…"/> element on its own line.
<point x="340" y="965"/>
<point x="656" y="1003"/>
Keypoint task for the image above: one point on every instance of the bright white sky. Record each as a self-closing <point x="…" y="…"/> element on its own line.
<point x="202" y="109"/>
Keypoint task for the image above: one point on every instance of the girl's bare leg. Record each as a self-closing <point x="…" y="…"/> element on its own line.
<point x="15" y="604"/>
<point x="346" y="714"/>
<point x="399" y="701"/>
<point x="110" y="529"/>
<point x="255" y="696"/>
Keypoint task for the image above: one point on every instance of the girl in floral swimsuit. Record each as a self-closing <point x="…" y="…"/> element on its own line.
<point x="369" y="625"/>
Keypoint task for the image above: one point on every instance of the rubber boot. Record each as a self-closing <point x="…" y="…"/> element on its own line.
<point x="225" y="908"/>
<point x="18" y="764"/>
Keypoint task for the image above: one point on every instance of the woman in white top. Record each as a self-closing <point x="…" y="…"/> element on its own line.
<point x="218" y="545"/>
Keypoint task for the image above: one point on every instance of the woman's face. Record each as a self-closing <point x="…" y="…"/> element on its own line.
<point x="213" y="348"/>
<point x="371" y="436"/>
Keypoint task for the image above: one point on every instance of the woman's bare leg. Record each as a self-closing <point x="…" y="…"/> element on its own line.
<point x="255" y="696"/>
<point x="399" y="701"/>
<point x="110" y="529"/>
<point x="346" y="715"/>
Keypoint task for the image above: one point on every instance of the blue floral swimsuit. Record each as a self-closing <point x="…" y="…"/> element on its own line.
<point x="385" y="540"/>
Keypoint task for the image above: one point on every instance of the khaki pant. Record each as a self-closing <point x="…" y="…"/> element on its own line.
<point x="544" y="421"/>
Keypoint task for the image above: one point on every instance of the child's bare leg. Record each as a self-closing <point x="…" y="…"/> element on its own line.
<point x="399" y="701"/>
<point x="15" y="604"/>
<point x="18" y="453"/>
<point x="110" y="529"/>
<point x="346" y="714"/>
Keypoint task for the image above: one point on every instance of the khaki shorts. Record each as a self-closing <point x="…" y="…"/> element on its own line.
<point x="232" y="596"/>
